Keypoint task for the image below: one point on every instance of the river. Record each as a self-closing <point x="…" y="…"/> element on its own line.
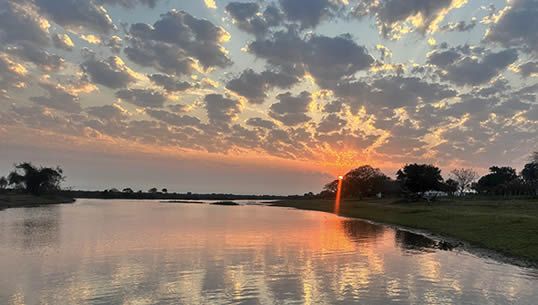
<point x="148" y="252"/>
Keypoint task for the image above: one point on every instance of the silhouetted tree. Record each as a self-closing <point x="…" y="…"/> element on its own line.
<point x="464" y="177"/>
<point x="128" y="190"/>
<point x="530" y="172"/>
<point x="496" y="181"/>
<point x="419" y="178"/>
<point x="331" y="187"/>
<point x="3" y="183"/>
<point x="36" y="180"/>
<point x="451" y="186"/>
<point x="164" y="190"/>
<point x="363" y="181"/>
<point x="153" y="190"/>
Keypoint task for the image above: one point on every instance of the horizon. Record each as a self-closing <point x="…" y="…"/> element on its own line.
<point x="267" y="97"/>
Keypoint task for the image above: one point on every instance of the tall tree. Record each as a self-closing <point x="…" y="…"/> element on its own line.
<point x="465" y="178"/>
<point x="530" y="172"/>
<point x="498" y="177"/>
<point x="36" y="180"/>
<point x="419" y="178"/>
<point x="331" y="187"/>
<point x="3" y="183"/>
<point x="363" y="181"/>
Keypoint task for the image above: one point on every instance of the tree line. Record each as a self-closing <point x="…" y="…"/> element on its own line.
<point x="417" y="180"/>
<point x="413" y="180"/>
<point x="39" y="180"/>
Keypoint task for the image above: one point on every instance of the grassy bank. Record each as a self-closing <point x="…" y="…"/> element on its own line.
<point x="506" y="226"/>
<point x="24" y="200"/>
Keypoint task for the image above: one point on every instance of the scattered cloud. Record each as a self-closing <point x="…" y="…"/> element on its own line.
<point x="254" y="86"/>
<point x="471" y="66"/>
<point x="291" y="110"/>
<point x="142" y="97"/>
<point x="221" y="111"/>
<point x="58" y="98"/>
<point x="177" y="43"/>
<point x="300" y="79"/>
<point x="396" y="18"/>
<point x="111" y="72"/>
<point x="63" y="41"/>
<point x="515" y="26"/>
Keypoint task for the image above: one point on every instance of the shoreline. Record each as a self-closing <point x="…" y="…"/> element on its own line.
<point x="385" y="212"/>
<point x="9" y="201"/>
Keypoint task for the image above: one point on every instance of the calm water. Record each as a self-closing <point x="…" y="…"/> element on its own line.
<point x="125" y="252"/>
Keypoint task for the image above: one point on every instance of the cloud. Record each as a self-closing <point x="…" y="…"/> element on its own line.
<point x="173" y="119"/>
<point x="41" y="58"/>
<point x="112" y="112"/>
<point x="247" y="16"/>
<point x="327" y="59"/>
<point x="129" y="3"/>
<point x="12" y="73"/>
<point x="443" y="58"/>
<point x="471" y="66"/>
<point x="254" y="86"/>
<point x="332" y="58"/>
<point x="142" y="97"/>
<point x="221" y="110"/>
<point x="391" y="92"/>
<point x="260" y="123"/>
<point x="169" y="83"/>
<point x="291" y="110"/>
<point x="58" y="98"/>
<point x="330" y="123"/>
<point x="77" y="15"/>
<point x="309" y="13"/>
<point x="111" y="72"/>
<point x="19" y="22"/>
<point x="395" y="18"/>
<point x="516" y="26"/>
<point x="115" y="43"/>
<point x="333" y="107"/>
<point x="210" y="4"/>
<point x="63" y="41"/>
<point x="461" y="26"/>
<point x="176" y="43"/>
<point x="91" y="39"/>
<point x="528" y="69"/>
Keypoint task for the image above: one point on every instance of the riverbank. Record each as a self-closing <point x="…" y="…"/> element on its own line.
<point x="25" y="200"/>
<point x="509" y="227"/>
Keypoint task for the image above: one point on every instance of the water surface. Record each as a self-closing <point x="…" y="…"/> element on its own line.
<point x="147" y="252"/>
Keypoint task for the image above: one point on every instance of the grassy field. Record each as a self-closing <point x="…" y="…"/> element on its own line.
<point x="506" y="226"/>
<point x="24" y="200"/>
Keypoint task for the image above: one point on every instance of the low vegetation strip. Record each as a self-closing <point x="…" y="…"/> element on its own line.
<point x="509" y="227"/>
<point x="27" y="200"/>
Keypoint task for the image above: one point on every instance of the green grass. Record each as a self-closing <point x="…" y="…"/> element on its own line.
<point x="506" y="226"/>
<point x="14" y="200"/>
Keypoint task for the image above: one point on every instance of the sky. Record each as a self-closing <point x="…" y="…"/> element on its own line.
<point x="264" y="97"/>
